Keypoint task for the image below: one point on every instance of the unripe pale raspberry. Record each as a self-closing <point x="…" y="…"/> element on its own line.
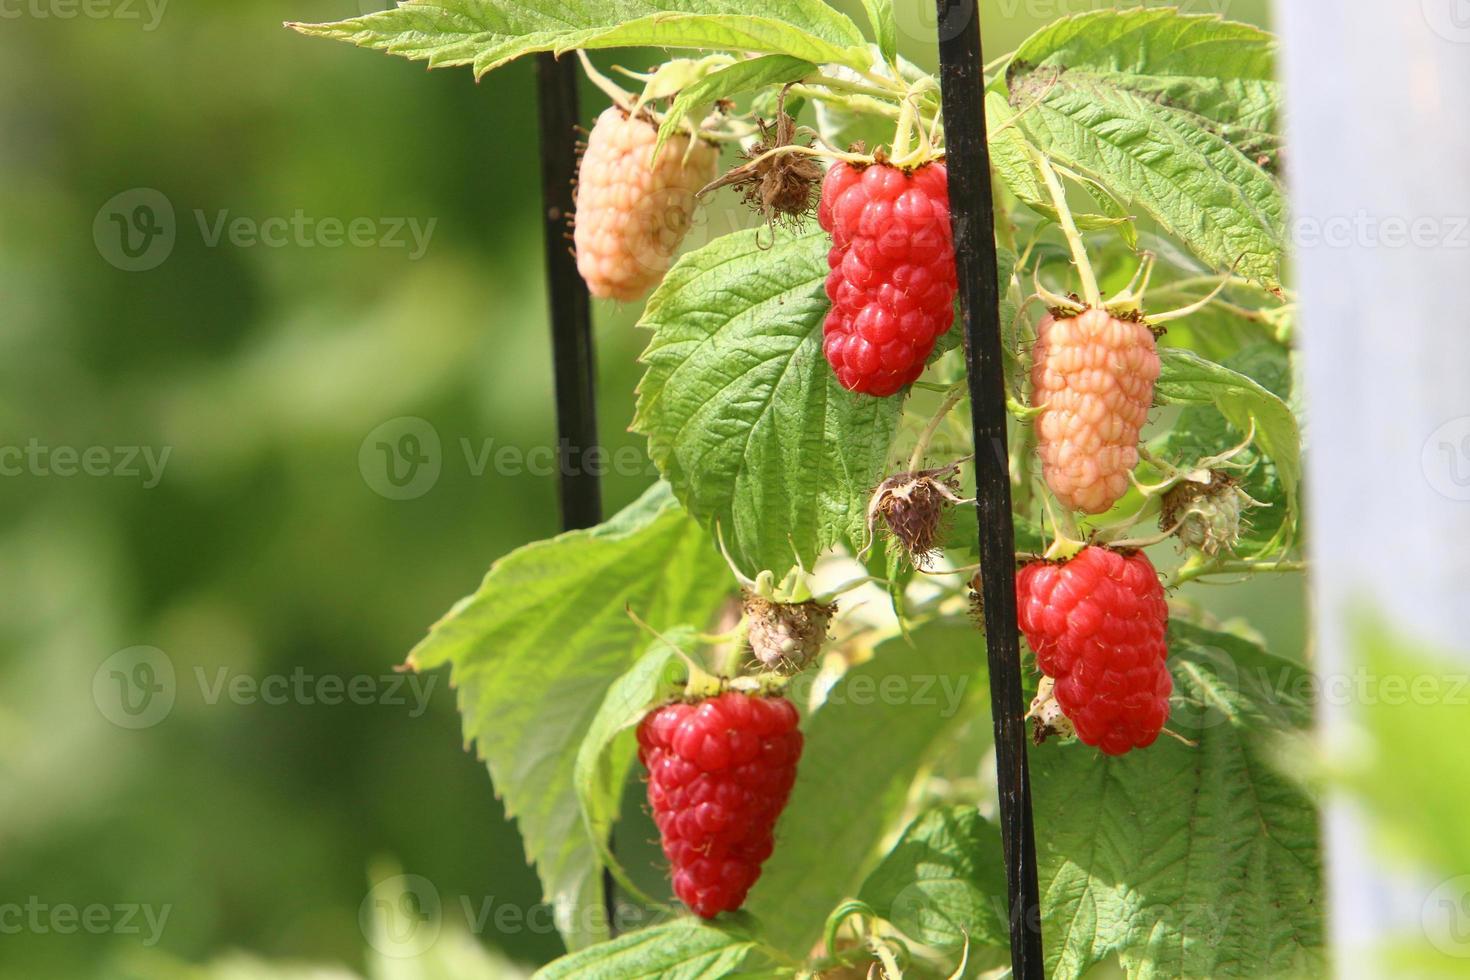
<point x="1208" y="517"/>
<point x="1098" y="626"/>
<point x="892" y="279"/>
<point x="1093" y="377"/>
<point x="633" y="212"/>
<point x="786" y="636"/>
<point x="719" y="773"/>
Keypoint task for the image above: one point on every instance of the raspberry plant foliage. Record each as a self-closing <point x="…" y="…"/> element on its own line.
<point x="1137" y="172"/>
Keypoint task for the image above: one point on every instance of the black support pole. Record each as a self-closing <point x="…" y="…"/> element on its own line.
<point x="571" y="322"/>
<point x="973" y="218"/>
<point x="571" y="318"/>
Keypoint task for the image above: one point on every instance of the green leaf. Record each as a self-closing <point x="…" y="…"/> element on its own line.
<point x="743" y="76"/>
<point x="885" y="28"/>
<point x="534" y="651"/>
<point x="939" y="884"/>
<point x="607" y="752"/>
<point x="685" y="949"/>
<point x="865" y="746"/>
<point x="1188" y="379"/>
<point x="486" y="34"/>
<point x="742" y="412"/>
<point x="1223" y="71"/>
<point x="1173" y="113"/>
<point x="1179" y="860"/>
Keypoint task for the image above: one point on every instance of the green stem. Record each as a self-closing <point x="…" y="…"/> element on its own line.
<point x="905" y="130"/>
<point x="1188" y="572"/>
<point x="856" y="88"/>
<point x="955" y="396"/>
<point x="1090" y="291"/>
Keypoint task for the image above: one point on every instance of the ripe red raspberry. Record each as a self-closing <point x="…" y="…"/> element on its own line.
<point x="1097" y="624"/>
<point x="632" y="212"/>
<point x="719" y="773"/>
<point x="892" y="282"/>
<point x="1093" y="376"/>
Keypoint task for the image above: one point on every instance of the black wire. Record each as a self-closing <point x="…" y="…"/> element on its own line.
<point x="973" y="218"/>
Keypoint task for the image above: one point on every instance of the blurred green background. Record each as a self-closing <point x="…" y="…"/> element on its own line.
<point x="266" y="546"/>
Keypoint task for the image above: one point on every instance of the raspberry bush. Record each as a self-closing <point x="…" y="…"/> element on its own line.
<point x="796" y="585"/>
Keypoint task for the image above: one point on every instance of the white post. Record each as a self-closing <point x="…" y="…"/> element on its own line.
<point x="1378" y="162"/>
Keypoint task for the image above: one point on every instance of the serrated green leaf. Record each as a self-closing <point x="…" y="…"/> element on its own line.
<point x="1179" y="860"/>
<point x="742" y="412"/>
<point x="608" y="749"/>
<point x="1185" y="378"/>
<point x="864" y="747"/>
<point x="743" y="76"/>
<point x="1172" y="112"/>
<point x="534" y="651"/>
<point x="685" y="949"/>
<point x="1223" y="71"/>
<point x="486" y="34"/>
<point x="940" y="882"/>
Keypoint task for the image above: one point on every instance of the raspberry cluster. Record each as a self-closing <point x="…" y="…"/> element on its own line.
<point x="1097" y="624"/>
<point x="633" y="211"/>
<point x="1093" y="377"/>
<point x="892" y="279"/>
<point x="719" y="774"/>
